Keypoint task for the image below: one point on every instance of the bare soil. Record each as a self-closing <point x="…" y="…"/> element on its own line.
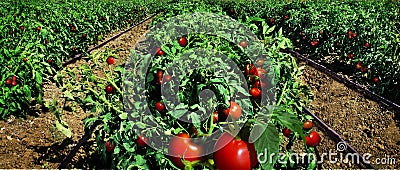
<point x="365" y="124"/>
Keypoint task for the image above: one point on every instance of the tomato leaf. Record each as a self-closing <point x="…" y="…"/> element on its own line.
<point x="64" y="129"/>
<point x="268" y="143"/>
<point x="27" y="92"/>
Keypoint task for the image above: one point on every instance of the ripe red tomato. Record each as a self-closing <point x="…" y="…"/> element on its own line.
<point x="354" y="35"/>
<point x="359" y="65"/>
<point x="49" y="61"/>
<point x="182" y="41"/>
<point x="8" y="81"/>
<point x="159" y="52"/>
<point x="307" y="125"/>
<point x="160" y="106"/>
<point x="313" y="43"/>
<point x="261" y="72"/>
<point x="235" y="110"/>
<point x="259" y="84"/>
<point x="11" y="32"/>
<point x="181" y="146"/>
<point x="215" y="117"/>
<point x="167" y="78"/>
<point x="14" y="83"/>
<point x="159" y="76"/>
<point x="47" y="41"/>
<point x="286" y="16"/>
<point x="255" y="92"/>
<point x="109" y="89"/>
<point x="110" y="147"/>
<point x="287" y="132"/>
<point x="243" y="43"/>
<point x="375" y="80"/>
<point x="13" y="78"/>
<point x="367" y="44"/>
<point x="364" y="69"/>
<point x="349" y="33"/>
<point x="233" y="153"/>
<point x="313" y="139"/>
<point x="350" y="56"/>
<point x="110" y="60"/>
<point x="38" y="28"/>
<point x="141" y="141"/>
<point x="251" y="69"/>
<point x="22" y="28"/>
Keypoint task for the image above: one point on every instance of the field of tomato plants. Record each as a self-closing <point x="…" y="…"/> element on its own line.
<point x="37" y="36"/>
<point x="206" y="87"/>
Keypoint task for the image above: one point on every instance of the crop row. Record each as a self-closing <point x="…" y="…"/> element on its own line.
<point x="360" y="39"/>
<point x="37" y="36"/>
<point x="127" y="138"/>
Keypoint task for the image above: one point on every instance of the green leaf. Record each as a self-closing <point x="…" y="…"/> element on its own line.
<point x="27" y="92"/>
<point x="268" y="143"/>
<point x="38" y="77"/>
<point x="64" y="129"/>
<point x="291" y="121"/>
<point x="69" y="95"/>
<point x="123" y="116"/>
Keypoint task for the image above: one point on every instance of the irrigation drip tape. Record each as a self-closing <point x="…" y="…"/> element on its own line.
<point x="80" y="142"/>
<point x="345" y="81"/>
<point x="336" y="137"/>
<point x="78" y="56"/>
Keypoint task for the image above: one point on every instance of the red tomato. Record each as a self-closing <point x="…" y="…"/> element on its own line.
<point x="160" y="106"/>
<point x="11" y="32"/>
<point x="364" y="69"/>
<point x="350" y="56"/>
<point x="313" y="139"/>
<point x="49" y="61"/>
<point x="22" y="28"/>
<point x="354" y="35"/>
<point x="235" y="110"/>
<point x="307" y="125"/>
<point x="110" y="147"/>
<point x="182" y="41"/>
<point x="255" y="92"/>
<point x="47" y="41"/>
<point x="141" y="141"/>
<point x="359" y="65"/>
<point x="110" y="60"/>
<point x="13" y="78"/>
<point x="167" y="78"/>
<point x="243" y="43"/>
<point x="159" y="76"/>
<point x="287" y="132"/>
<point x="38" y="28"/>
<point x="181" y="146"/>
<point x="367" y="44"/>
<point x="215" y="117"/>
<point x="233" y="153"/>
<point x="8" y="81"/>
<point x="159" y="51"/>
<point x="14" y="83"/>
<point x="250" y="69"/>
<point x="109" y="89"/>
<point x="261" y="72"/>
<point x="375" y="80"/>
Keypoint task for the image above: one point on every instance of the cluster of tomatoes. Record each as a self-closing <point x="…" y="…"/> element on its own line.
<point x="11" y="81"/>
<point x="240" y="154"/>
<point x="312" y="139"/>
